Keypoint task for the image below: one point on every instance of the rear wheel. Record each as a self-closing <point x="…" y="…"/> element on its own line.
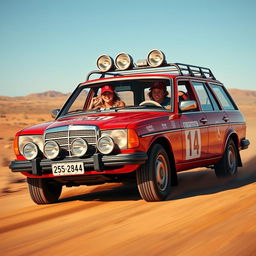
<point x="44" y="191"/>
<point x="227" y="166"/>
<point x="154" y="177"/>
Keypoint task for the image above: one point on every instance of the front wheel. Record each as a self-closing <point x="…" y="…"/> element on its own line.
<point x="44" y="191"/>
<point x="227" y="166"/>
<point x="154" y="177"/>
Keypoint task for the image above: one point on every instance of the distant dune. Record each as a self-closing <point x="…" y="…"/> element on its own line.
<point x="51" y="94"/>
<point x="243" y="96"/>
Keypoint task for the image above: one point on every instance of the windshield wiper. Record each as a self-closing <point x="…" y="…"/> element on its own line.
<point x="75" y="111"/>
<point x="135" y="107"/>
<point x="83" y="110"/>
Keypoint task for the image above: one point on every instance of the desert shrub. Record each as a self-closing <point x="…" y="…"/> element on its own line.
<point x="40" y="119"/>
<point x="5" y="162"/>
<point x="10" y="139"/>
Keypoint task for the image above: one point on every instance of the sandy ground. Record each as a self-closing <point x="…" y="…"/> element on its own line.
<point x="203" y="216"/>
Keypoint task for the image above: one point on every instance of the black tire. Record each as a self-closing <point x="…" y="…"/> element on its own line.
<point x="227" y="166"/>
<point x="44" y="191"/>
<point x="154" y="177"/>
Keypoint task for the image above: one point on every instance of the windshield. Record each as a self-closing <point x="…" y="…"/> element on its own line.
<point x="121" y="95"/>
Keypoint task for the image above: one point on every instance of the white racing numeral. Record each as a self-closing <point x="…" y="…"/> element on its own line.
<point x="193" y="144"/>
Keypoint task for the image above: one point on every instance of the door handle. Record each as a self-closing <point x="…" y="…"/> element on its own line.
<point x="203" y="120"/>
<point x="226" y="119"/>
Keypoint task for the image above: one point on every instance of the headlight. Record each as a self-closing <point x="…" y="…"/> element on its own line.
<point x="30" y="151"/>
<point x="156" y="58"/>
<point x="105" y="63"/>
<point x="119" y="136"/>
<point x="123" y="61"/>
<point x="24" y="139"/>
<point x="105" y="144"/>
<point x="51" y="149"/>
<point x="79" y="147"/>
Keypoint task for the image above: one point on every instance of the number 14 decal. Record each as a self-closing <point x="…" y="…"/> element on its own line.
<point x="193" y="144"/>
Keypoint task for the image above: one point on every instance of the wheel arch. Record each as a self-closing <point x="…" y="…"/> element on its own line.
<point x="168" y="148"/>
<point x="233" y="135"/>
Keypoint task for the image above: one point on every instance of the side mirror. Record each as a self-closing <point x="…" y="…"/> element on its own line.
<point x="55" y="112"/>
<point x="187" y="105"/>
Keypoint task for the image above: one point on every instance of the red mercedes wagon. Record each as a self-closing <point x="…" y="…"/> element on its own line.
<point x="141" y="122"/>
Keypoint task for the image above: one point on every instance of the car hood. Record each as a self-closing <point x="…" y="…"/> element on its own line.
<point x="108" y="120"/>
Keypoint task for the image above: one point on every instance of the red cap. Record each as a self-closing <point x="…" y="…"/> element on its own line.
<point x="159" y="85"/>
<point x="107" y="88"/>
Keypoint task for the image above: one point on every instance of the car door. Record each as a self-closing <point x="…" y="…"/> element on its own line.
<point x="231" y="116"/>
<point x="193" y="127"/>
<point x="216" y="119"/>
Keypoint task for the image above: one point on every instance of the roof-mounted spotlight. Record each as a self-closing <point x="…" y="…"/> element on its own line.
<point x="123" y="61"/>
<point x="156" y="58"/>
<point x="105" y="63"/>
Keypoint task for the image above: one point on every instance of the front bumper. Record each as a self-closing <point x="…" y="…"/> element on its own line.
<point x="97" y="162"/>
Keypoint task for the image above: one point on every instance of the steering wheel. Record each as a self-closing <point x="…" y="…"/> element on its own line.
<point x="150" y="103"/>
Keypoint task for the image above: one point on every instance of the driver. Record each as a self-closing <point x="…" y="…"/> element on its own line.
<point x="159" y="93"/>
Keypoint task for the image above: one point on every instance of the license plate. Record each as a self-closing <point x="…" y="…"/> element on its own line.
<point x="68" y="168"/>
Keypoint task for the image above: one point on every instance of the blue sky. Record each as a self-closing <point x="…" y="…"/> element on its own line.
<point x="52" y="44"/>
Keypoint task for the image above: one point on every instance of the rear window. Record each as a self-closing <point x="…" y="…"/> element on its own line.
<point x="223" y="97"/>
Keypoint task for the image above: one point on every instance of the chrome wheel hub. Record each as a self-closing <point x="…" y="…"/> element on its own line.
<point x="162" y="173"/>
<point x="231" y="160"/>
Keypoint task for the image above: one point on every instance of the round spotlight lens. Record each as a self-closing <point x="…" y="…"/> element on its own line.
<point x="105" y="63"/>
<point x="79" y="147"/>
<point x="156" y="58"/>
<point x="105" y="144"/>
<point x="123" y="61"/>
<point x="51" y="149"/>
<point x="30" y="151"/>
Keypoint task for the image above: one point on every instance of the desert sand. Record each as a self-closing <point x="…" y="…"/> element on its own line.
<point x="203" y="215"/>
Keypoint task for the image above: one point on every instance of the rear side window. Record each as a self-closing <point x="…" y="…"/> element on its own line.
<point x="203" y="96"/>
<point x="223" y="97"/>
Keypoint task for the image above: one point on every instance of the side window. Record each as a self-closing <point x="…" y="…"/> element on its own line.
<point x="203" y="96"/>
<point x="182" y="93"/>
<point x="214" y="102"/>
<point x="185" y="93"/>
<point x="223" y="98"/>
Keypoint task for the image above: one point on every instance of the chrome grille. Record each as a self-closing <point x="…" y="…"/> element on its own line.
<point x="54" y="135"/>
<point x="64" y="135"/>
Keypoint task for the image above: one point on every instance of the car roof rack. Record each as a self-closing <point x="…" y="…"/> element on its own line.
<point x="173" y="68"/>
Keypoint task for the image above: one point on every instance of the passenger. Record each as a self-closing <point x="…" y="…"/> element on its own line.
<point x="183" y="96"/>
<point x="107" y="99"/>
<point x="159" y="93"/>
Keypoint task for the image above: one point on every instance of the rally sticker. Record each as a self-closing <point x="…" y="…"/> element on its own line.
<point x="150" y="128"/>
<point x="193" y="143"/>
<point x="190" y="124"/>
<point x="94" y="118"/>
